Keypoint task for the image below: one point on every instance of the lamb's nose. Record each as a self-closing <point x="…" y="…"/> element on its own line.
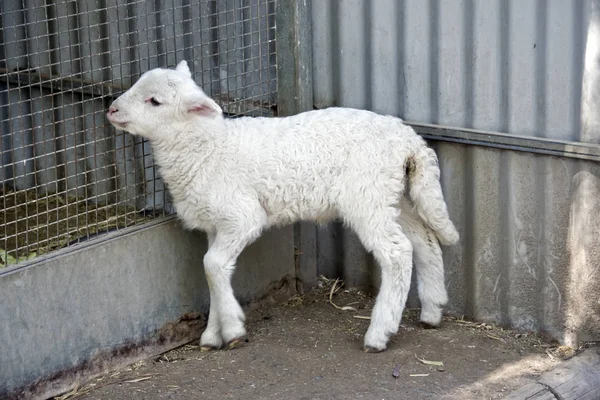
<point x="112" y="110"/>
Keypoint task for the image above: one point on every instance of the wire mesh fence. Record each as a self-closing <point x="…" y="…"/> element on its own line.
<point x="66" y="174"/>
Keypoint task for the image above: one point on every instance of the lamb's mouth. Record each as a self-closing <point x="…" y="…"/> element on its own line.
<point x="117" y="124"/>
<point x="122" y="126"/>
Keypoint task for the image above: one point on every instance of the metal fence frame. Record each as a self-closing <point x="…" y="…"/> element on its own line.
<point x="62" y="63"/>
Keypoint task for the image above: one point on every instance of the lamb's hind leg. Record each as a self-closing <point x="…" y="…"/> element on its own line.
<point x="381" y="233"/>
<point x="429" y="266"/>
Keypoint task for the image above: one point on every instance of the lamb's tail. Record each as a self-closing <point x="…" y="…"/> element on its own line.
<point x="426" y="193"/>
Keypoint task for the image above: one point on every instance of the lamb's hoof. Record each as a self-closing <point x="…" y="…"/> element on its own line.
<point x="205" y="348"/>
<point x="431" y="317"/>
<point x="369" y="349"/>
<point x="237" y="342"/>
<point x="427" y="325"/>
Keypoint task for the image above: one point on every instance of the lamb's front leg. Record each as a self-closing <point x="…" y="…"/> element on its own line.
<point x="211" y="337"/>
<point x="219" y="266"/>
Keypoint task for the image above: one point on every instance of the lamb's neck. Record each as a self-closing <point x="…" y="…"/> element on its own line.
<point x="182" y="158"/>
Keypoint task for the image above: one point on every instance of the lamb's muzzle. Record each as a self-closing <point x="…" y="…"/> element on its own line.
<point x="233" y="178"/>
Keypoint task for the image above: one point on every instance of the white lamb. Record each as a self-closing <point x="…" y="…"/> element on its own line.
<point x="234" y="178"/>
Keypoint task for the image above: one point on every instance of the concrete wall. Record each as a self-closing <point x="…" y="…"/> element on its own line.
<point x="535" y="268"/>
<point x="130" y="295"/>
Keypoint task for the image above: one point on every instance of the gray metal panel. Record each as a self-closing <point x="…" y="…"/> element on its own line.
<point x="295" y="94"/>
<point x="526" y="253"/>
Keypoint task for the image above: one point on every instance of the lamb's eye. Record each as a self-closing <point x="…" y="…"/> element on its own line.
<point x="154" y="102"/>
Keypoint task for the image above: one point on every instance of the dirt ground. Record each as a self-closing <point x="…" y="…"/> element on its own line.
<point x="306" y="348"/>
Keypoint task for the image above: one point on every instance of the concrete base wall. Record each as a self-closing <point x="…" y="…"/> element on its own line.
<point x="129" y="295"/>
<point x="529" y="252"/>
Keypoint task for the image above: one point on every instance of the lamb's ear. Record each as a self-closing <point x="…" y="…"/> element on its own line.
<point x="201" y="104"/>
<point x="183" y="68"/>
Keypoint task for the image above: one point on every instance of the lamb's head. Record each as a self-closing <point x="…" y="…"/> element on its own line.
<point x="161" y="101"/>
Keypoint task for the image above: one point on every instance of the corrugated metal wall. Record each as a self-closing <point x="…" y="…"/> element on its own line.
<point x="63" y="62"/>
<point x="501" y="65"/>
<point x="528" y="252"/>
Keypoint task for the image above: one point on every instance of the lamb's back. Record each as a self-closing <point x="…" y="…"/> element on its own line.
<point x="328" y="136"/>
<point x="301" y="166"/>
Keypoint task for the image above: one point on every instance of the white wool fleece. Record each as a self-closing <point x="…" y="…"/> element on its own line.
<point x="233" y="178"/>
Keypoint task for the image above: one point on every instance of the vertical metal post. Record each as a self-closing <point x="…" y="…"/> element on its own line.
<point x="590" y="114"/>
<point x="295" y="95"/>
<point x="294" y="57"/>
